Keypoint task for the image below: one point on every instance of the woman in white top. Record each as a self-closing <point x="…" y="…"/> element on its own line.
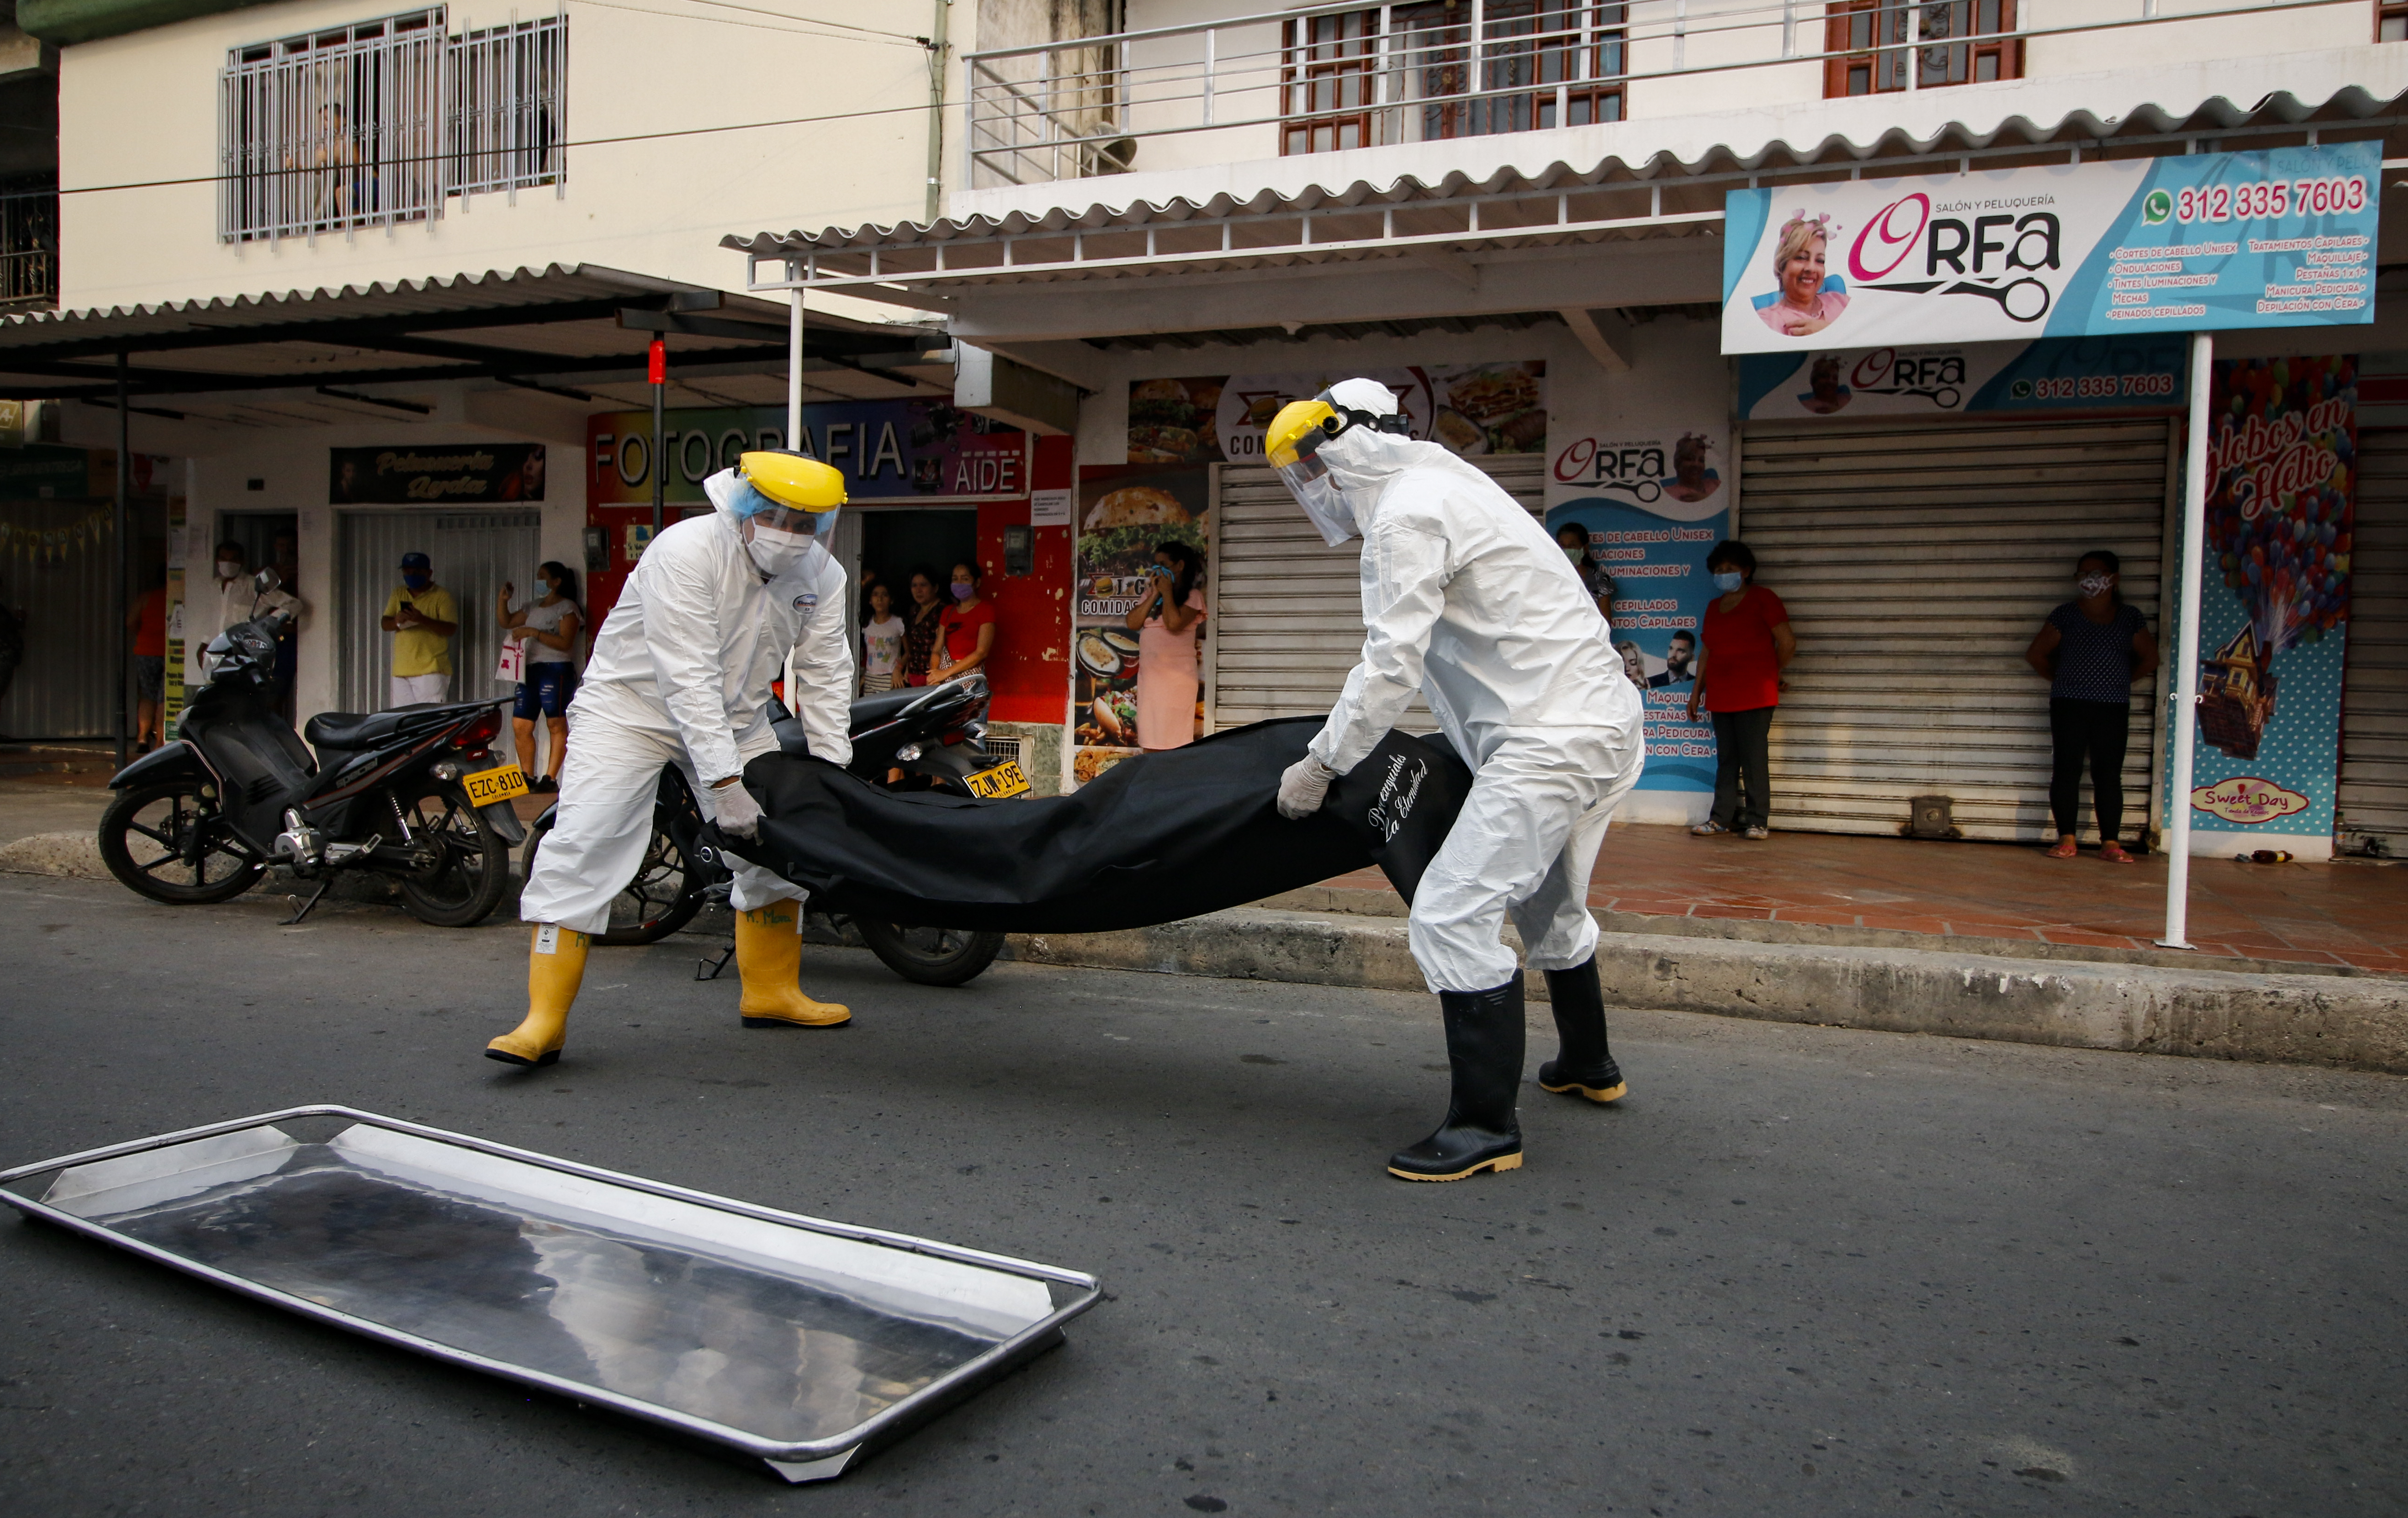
<point x="1168" y="618"/>
<point x="548" y="630"/>
<point x="881" y="642"/>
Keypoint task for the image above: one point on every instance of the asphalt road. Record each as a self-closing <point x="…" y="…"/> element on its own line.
<point x="1797" y="1271"/>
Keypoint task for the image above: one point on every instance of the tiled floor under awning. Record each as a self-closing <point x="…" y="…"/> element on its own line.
<point x="2349" y="912"/>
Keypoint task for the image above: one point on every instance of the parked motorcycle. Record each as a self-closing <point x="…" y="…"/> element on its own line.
<point x="413" y="795"/>
<point x="921" y="739"/>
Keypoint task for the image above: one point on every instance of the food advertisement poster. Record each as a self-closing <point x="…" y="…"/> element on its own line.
<point x="1645" y="508"/>
<point x="893" y="449"/>
<point x="1122" y="511"/>
<point x="2129" y="371"/>
<point x="2274" y="595"/>
<point x="2186" y="242"/>
<point x="1473" y="409"/>
<point x="439" y="474"/>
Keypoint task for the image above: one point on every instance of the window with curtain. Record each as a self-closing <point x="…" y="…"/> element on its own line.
<point x="1944" y="41"/>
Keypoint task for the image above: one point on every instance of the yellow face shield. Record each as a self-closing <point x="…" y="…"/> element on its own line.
<point x="789" y="492"/>
<point x="1292" y="447"/>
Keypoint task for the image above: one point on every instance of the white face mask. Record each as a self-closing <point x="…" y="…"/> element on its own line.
<point x="228" y="569"/>
<point x="2095" y="585"/>
<point x="774" y="550"/>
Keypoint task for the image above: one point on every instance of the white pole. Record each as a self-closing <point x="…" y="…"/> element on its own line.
<point x="795" y="358"/>
<point x="2185" y="713"/>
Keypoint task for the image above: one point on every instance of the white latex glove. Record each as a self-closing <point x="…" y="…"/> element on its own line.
<point x="738" y="814"/>
<point x="1304" y="787"/>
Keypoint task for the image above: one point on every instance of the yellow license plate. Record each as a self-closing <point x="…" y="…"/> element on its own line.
<point x="1004" y="780"/>
<point x="508" y="783"/>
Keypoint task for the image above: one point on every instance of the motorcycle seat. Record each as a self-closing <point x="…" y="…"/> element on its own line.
<point x="877" y="710"/>
<point x="366" y="729"/>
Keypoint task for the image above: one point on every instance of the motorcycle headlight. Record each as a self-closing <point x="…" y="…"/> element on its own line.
<point x="907" y="753"/>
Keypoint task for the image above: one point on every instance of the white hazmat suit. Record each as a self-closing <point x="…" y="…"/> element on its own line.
<point x="1469" y="602"/>
<point x="680" y="675"/>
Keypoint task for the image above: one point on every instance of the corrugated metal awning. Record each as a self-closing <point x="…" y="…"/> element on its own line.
<point x="576" y="328"/>
<point x="1550" y="204"/>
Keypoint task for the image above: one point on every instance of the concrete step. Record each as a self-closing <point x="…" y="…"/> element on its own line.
<point x="2358" y="1022"/>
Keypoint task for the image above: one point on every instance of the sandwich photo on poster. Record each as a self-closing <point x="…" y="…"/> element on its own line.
<point x="1123" y="513"/>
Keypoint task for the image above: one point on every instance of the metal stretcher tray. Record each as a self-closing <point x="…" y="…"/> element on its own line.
<point x="799" y="1341"/>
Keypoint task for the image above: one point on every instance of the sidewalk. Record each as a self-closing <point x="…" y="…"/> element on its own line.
<point x="1830" y="889"/>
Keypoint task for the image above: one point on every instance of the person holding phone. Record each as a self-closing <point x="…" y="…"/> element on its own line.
<point x="421" y="616"/>
<point x="1168" y="621"/>
<point x="548" y="629"/>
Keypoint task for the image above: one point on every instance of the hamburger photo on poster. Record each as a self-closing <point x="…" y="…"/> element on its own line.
<point x="1123" y="513"/>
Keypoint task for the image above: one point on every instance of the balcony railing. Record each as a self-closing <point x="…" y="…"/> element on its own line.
<point x="29" y="244"/>
<point x="1325" y="77"/>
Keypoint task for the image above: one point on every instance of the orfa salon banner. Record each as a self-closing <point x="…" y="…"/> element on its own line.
<point x="2127" y="372"/>
<point x="1649" y="506"/>
<point x="2194" y="242"/>
<point x="2274" y="612"/>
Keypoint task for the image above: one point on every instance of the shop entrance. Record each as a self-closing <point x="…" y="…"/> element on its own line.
<point x="2373" y="801"/>
<point x="58" y="557"/>
<point x="894" y="542"/>
<point x="1917" y="560"/>
<point x="473" y="554"/>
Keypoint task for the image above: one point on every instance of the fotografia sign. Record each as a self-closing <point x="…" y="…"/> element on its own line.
<point x="2281" y="238"/>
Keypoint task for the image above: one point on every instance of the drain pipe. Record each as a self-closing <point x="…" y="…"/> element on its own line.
<point x="936" y="51"/>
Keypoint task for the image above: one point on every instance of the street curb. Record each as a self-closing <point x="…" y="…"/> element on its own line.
<point x="75" y="854"/>
<point x="2362" y="1023"/>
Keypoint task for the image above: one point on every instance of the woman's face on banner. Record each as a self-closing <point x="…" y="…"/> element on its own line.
<point x="1801" y="278"/>
<point x="1633" y="665"/>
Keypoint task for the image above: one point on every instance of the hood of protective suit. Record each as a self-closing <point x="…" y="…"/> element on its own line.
<point x="726" y="490"/>
<point x="1363" y="463"/>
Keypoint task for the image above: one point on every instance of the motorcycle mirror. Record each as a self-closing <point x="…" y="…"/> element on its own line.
<point x="266" y="580"/>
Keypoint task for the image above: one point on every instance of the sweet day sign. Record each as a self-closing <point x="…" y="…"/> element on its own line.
<point x="2197" y="242"/>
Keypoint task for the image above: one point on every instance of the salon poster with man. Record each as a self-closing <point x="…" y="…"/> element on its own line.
<point x="1650" y="503"/>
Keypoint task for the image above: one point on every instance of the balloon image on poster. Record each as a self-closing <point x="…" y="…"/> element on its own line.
<point x="2282" y="474"/>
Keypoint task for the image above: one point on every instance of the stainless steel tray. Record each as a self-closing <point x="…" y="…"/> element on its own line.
<point x="798" y="1341"/>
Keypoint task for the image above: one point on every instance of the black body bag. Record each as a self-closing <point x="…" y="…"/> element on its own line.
<point x="1156" y="838"/>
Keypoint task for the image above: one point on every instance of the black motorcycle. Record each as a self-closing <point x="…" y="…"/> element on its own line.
<point x="413" y="795"/>
<point x="921" y="739"/>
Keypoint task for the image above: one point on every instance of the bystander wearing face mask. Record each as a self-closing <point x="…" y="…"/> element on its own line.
<point x="2095" y="585"/>
<point x="1728" y="580"/>
<point x="229" y="569"/>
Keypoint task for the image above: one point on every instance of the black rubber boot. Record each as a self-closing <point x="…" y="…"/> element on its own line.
<point x="1582" y="1066"/>
<point x="1484" y="1048"/>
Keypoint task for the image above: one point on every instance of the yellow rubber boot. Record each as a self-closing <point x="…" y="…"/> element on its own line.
<point x="555" y="967"/>
<point x="770" y="957"/>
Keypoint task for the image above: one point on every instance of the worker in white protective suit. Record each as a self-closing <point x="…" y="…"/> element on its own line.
<point x="680" y="675"/>
<point x="1469" y="602"/>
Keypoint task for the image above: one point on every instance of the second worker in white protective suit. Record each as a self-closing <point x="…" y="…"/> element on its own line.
<point x="680" y="675"/>
<point x="1470" y="603"/>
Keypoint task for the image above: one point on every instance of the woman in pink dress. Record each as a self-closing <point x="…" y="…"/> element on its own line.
<point x="1805" y="308"/>
<point x="1169" y="620"/>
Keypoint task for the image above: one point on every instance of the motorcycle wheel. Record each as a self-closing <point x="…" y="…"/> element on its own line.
<point x="931" y="955"/>
<point x="472" y="870"/>
<point x="146" y="833"/>
<point x="662" y="898"/>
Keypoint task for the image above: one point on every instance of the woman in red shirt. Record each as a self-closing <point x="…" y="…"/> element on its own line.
<point x="1747" y="644"/>
<point x="966" y="633"/>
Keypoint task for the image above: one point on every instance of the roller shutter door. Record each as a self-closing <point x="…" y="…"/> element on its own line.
<point x="2374" y="703"/>
<point x="1918" y="560"/>
<point x="1287" y="608"/>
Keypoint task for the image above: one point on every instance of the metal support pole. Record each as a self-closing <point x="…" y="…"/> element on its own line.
<point x="657" y="370"/>
<point x="937" y="50"/>
<point x="794" y="361"/>
<point x="2185" y="713"/>
<point x="117" y="600"/>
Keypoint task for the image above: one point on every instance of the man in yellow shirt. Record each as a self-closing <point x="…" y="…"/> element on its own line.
<point x="421" y="617"/>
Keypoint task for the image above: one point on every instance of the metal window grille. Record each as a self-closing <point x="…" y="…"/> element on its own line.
<point x="376" y="123"/>
<point x="333" y="130"/>
<point x="1001" y="749"/>
<point x="29" y="243"/>
<point x="505" y="103"/>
